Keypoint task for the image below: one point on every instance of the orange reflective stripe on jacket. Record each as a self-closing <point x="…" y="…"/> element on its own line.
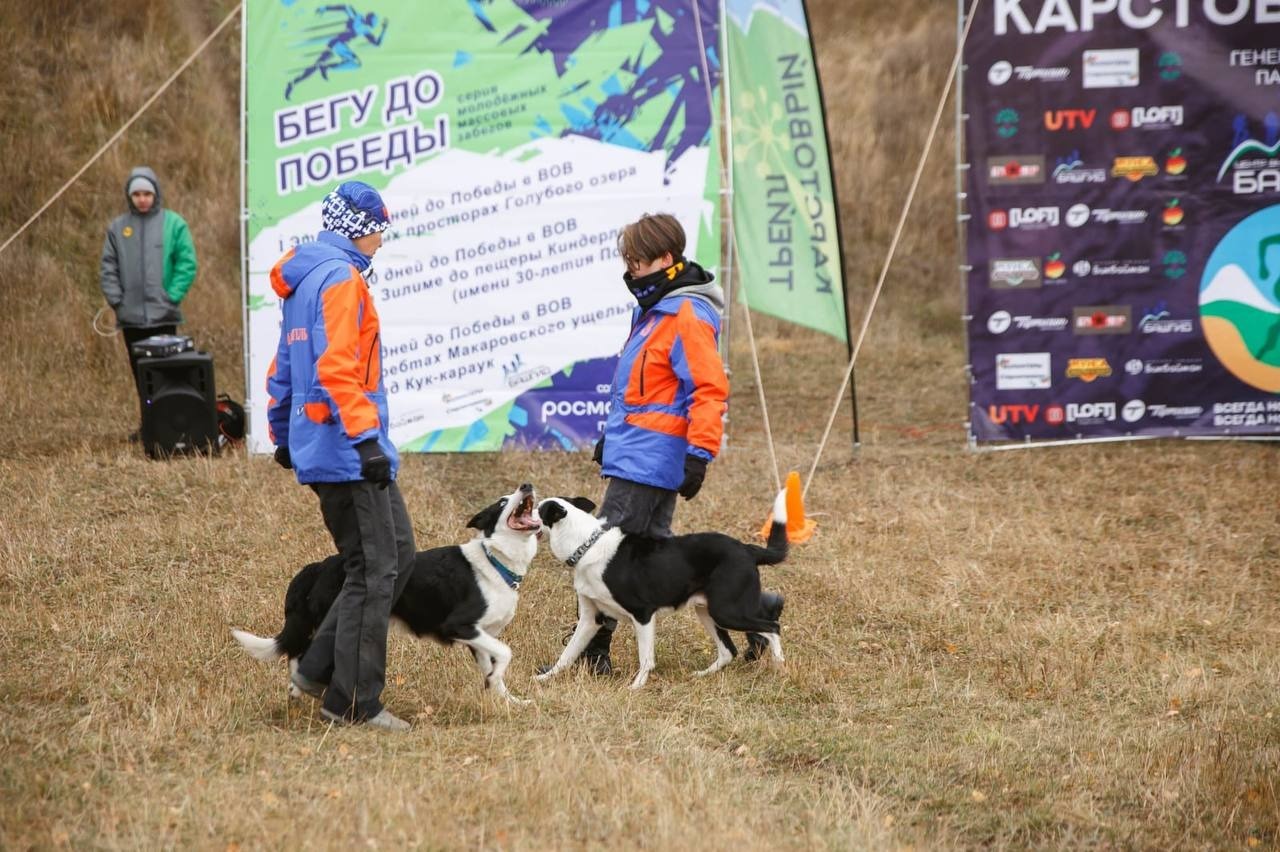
<point x="350" y="362"/>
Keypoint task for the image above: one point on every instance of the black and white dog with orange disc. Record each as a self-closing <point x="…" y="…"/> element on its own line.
<point x="632" y="578"/>
<point x="463" y="594"/>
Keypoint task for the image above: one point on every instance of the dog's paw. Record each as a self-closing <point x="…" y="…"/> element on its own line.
<point x="517" y="700"/>
<point x="544" y="677"/>
<point x="295" y="694"/>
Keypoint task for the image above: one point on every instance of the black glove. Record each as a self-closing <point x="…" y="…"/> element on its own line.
<point x="598" y="455"/>
<point x="374" y="464"/>
<point x="695" y="470"/>
<point x="283" y="458"/>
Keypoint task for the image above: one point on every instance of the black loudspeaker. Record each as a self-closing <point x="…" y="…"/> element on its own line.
<point x="179" y="405"/>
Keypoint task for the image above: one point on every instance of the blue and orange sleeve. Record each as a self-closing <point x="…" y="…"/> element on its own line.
<point x="705" y="374"/>
<point x="279" y="394"/>
<point x="339" y="368"/>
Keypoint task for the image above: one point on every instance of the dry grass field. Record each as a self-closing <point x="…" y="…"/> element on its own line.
<point x="1055" y="648"/>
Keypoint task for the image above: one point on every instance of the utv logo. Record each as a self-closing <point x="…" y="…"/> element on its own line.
<point x="1015" y="170"/>
<point x="1254" y="164"/>
<point x="1069" y="119"/>
<point x="1007" y="123"/>
<point x="1110" y="69"/>
<point x="1134" y="169"/>
<point x="1175" y="264"/>
<point x="1169" y="66"/>
<point x="1013" y="414"/>
<point x="1102" y="319"/>
<point x="1157" y="320"/>
<point x="1088" y="369"/>
<point x="1071" y="170"/>
<point x="1015" y="273"/>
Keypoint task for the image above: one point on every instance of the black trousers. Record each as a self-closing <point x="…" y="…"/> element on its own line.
<point x="371" y="529"/>
<point x="132" y="336"/>
<point x="636" y="509"/>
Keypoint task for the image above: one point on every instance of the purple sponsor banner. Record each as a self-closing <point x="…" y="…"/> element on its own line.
<point x="1123" y="244"/>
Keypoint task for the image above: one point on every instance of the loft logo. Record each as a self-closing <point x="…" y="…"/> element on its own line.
<point x="1156" y="117"/>
<point x="1023" y="217"/>
<point x="1069" y="119"/>
<point x="1007" y="123"/>
<point x="1013" y="414"/>
<point x="1090" y="412"/>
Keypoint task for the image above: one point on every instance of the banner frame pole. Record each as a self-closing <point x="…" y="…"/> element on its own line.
<point x="962" y="224"/>
<point x="725" y="149"/>
<point x="244" y="213"/>
<point x="835" y="201"/>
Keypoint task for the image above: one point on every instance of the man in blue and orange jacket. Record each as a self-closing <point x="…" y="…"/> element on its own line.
<point x="328" y="419"/>
<point x="667" y="402"/>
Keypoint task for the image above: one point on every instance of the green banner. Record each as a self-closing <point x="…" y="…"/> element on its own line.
<point x="511" y="141"/>
<point x="784" y="209"/>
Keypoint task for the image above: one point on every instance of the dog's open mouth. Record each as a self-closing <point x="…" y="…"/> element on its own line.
<point x="523" y="518"/>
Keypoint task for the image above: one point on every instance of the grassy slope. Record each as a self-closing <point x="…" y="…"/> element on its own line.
<point x="1059" y="648"/>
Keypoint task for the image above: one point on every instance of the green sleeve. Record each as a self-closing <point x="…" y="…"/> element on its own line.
<point x="179" y="257"/>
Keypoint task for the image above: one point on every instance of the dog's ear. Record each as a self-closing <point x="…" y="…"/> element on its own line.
<point x="550" y="511"/>
<point x="584" y="504"/>
<point x="487" y="518"/>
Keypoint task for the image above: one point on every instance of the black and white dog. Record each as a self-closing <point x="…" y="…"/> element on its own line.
<point x="631" y="578"/>
<point x="461" y="594"/>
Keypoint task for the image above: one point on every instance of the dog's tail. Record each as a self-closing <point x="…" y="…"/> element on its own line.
<point x="775" y="549"/>
<point x="261" y="648"/>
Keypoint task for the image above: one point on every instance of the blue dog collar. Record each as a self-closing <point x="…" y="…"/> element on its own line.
<point x="508" y="576"/>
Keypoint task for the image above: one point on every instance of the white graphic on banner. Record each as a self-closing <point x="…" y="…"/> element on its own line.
<point x="497" y="273"/>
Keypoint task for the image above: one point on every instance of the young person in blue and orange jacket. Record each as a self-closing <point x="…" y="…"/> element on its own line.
<point x="328" y="419"/>
<point x="669" y="392"/>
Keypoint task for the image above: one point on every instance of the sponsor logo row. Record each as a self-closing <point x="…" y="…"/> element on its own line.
<point x="1095" y="319"/>
<point x="1070" y="170"/>
<point x="1224" y="414"/>
<point x="1250" y="166"/>
<point x="1121" y="68"/>
<point x="1034" y="370"/>
<point x="1008" y="121"/>
<point x="1171" y="214"/>
<point x="1029" y="273"/>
